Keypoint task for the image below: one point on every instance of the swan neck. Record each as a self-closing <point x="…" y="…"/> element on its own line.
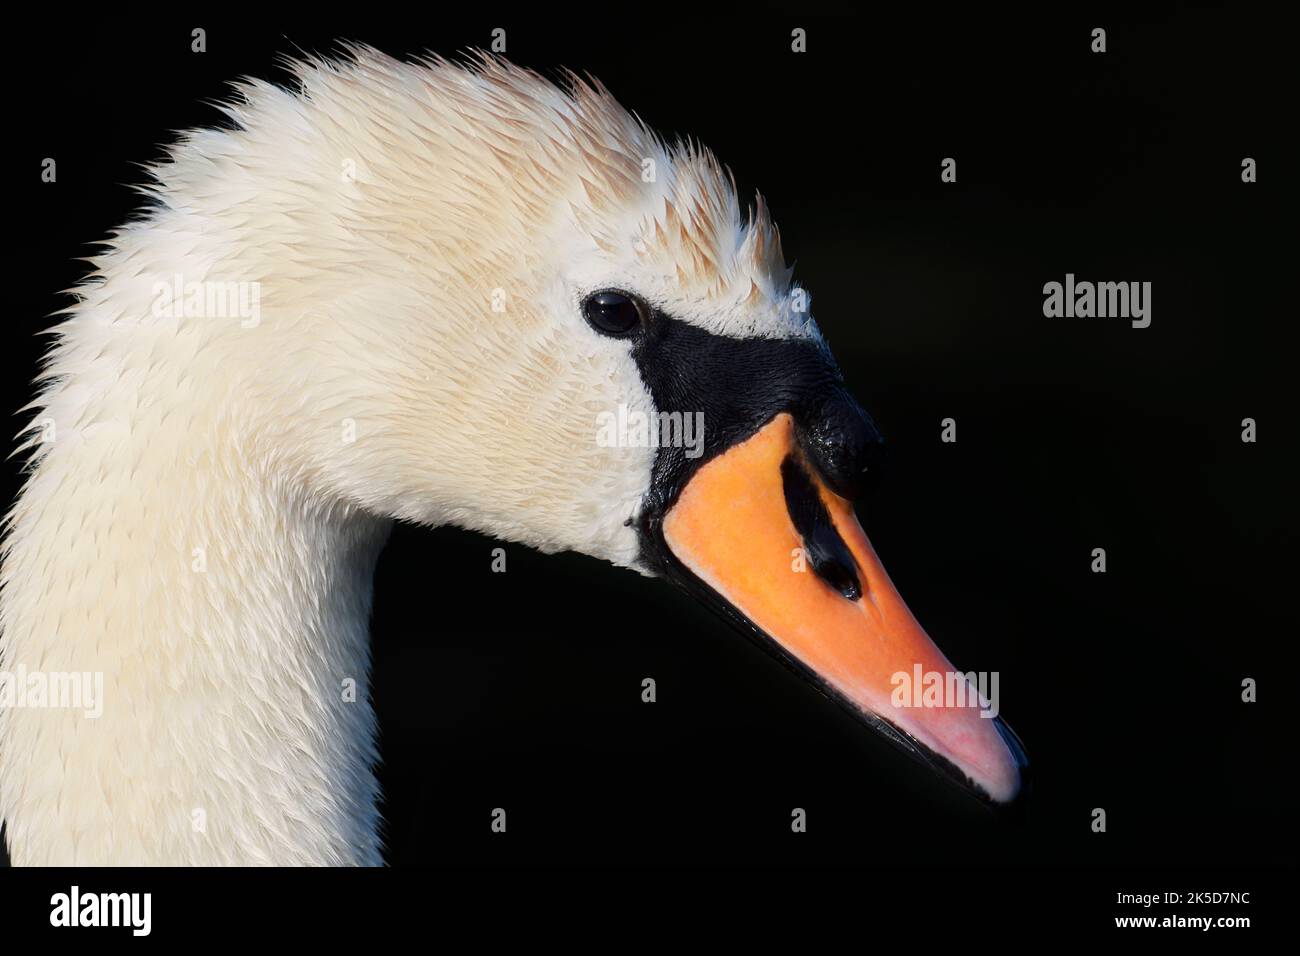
<point x="225" y="618"/>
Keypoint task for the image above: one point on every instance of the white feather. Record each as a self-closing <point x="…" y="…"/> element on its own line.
<point x="380" y="209"/>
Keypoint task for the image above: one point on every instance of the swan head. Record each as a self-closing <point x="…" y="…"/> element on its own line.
<point x="492" y="301"/>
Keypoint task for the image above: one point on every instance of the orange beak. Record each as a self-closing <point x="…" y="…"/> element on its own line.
<point x="759" y="528"/>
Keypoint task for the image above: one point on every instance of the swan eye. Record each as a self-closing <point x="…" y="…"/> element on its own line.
<point x="613" y="313"/>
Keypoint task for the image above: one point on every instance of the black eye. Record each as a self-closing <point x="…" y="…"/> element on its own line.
<point x="613" y="313"/>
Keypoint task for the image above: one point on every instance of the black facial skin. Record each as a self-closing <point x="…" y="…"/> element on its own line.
<point x="740" y="385"/>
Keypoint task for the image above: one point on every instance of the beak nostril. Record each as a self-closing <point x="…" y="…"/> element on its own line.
<point x="829" y="556"/>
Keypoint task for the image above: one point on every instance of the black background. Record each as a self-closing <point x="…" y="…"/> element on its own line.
<point x="522" y="690"/>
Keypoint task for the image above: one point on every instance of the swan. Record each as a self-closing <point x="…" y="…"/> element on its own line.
<point x="406" y="291"/>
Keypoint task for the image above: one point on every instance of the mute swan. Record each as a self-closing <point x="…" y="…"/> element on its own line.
<point x="436" y="279"/>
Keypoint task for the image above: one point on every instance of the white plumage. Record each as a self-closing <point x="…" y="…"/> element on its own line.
<point x="208" y="495"/>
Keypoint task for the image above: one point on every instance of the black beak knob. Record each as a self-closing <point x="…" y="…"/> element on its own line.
<point x="843" y="442"/>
